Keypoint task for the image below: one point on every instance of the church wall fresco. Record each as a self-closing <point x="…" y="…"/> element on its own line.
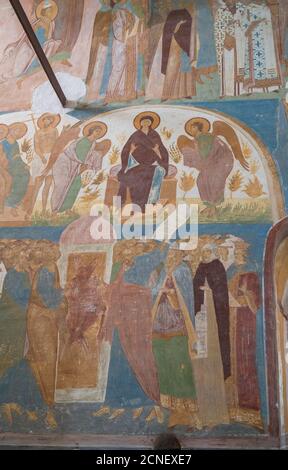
<point x="107" y="332"/>
<point x="107" y="51"/>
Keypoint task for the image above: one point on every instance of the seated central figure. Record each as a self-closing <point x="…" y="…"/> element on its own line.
<point x="144" y="162"/>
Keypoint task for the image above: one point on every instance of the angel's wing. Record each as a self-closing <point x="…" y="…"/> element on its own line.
<point x="222" y="129"/>
<point x="183" y="142"/>
<point x="106" y="146"/>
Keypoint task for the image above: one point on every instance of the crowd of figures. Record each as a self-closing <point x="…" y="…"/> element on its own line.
<point x="164" y="49"/>
<point x="151" y="313"/>
<point x="53" y="167"/>
<point x="52" y="162"/>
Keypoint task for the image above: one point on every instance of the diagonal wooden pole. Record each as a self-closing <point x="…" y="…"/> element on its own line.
<point x="16" y="5"/>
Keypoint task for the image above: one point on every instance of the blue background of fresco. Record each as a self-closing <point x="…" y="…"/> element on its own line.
<point x="254" y="234"/>
<point x="268" y="120"/>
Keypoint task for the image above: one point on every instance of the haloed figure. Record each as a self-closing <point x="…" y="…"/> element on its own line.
<point x="174" y="341"/>
<point x="212" y="157"/>
<point x="17" y="168"/>
<point x="144" y="162"/>
<point x="84" y="154"/>
<point x="44" y="141"/>
<point x="212" y="271"/>
<point x="14" y="303"/>
<point x="46" y="313"/>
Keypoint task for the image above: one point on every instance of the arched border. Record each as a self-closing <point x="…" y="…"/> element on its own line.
<point x="273" y="180"/>
<point x="277" y="234"/>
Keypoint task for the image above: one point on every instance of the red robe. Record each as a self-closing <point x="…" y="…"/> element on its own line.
<point x="246" y="373"/>
<point x="129" y="311"/>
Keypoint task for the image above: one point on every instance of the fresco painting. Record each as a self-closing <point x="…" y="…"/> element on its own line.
<point x="123" y="51"/>
<point x="134" y="331"/>
<point x="160" y="153"/>
<point x="110" y="330"/>
<point x="148" y="311"/>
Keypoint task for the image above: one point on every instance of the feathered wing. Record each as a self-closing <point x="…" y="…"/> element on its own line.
<point x="184" y="142"/>
<point x="185" y="146"/>
<point x="107" y="144"/>
<point x="222" y="129"/>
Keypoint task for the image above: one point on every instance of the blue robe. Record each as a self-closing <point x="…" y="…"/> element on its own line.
<point x="13" y="310"/>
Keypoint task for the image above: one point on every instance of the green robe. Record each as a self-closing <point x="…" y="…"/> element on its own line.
<point x="174" y="367"/>
<point x="13" y="309"/>
<point x="171" y="350"/>
<point x="19" y="173"/>
<point x="82" y="149"/>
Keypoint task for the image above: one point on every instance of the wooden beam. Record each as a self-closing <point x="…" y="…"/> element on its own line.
<point x="16" y="5"/>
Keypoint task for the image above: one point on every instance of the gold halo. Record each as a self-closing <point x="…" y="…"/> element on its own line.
<point x="53" y="5"/>
<point x="154" y="116"/>
<point x="101" y="124"/>
<point x="191" y="122"/>
<point x="22" y="126"/>
<point x="6" y="129"/>
<point x="56" y="119"/>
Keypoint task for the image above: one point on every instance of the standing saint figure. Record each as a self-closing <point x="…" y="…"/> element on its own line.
<point x="100" y="53"/>
<point x="86" y="303"/>
<point x="17" y="168"/>
<point x="14" y="303"/>
<point x="179" y="53"/>
<point x="262" y="70"/>
<point x="144" y="162"/>
<point x="208" y="365"/>
<point x="44" y="141"/>
<point x="5" y="178"/>
<point x="132" y="377"/>
<point x="180" y="48"/>
<point x="245" y="295"/>
<point x="230" y="40"/>
<point x="19" y="57"/>
<point x="174" y="340"/>
<point x="81" y="351"/>
<point x="212" y="157"/>
<point x="115" y="69"/>
<point x="45" y="316"/>
<point x="212" y="270"/>
<point x="84" y="154"/>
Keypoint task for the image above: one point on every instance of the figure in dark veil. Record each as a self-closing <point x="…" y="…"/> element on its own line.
<point x="144" y="162"/>
<point x="212" y="270"/>
<point x="179" y="52"/>
<point x="180" y="47"/>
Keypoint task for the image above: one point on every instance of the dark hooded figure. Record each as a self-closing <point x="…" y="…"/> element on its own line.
<point x="144" y="161"/>
<point x="212" y="270"/>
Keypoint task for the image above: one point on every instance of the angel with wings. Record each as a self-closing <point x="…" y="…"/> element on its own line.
<point x="212" y="157"/>
<point x="86" y="153"/>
